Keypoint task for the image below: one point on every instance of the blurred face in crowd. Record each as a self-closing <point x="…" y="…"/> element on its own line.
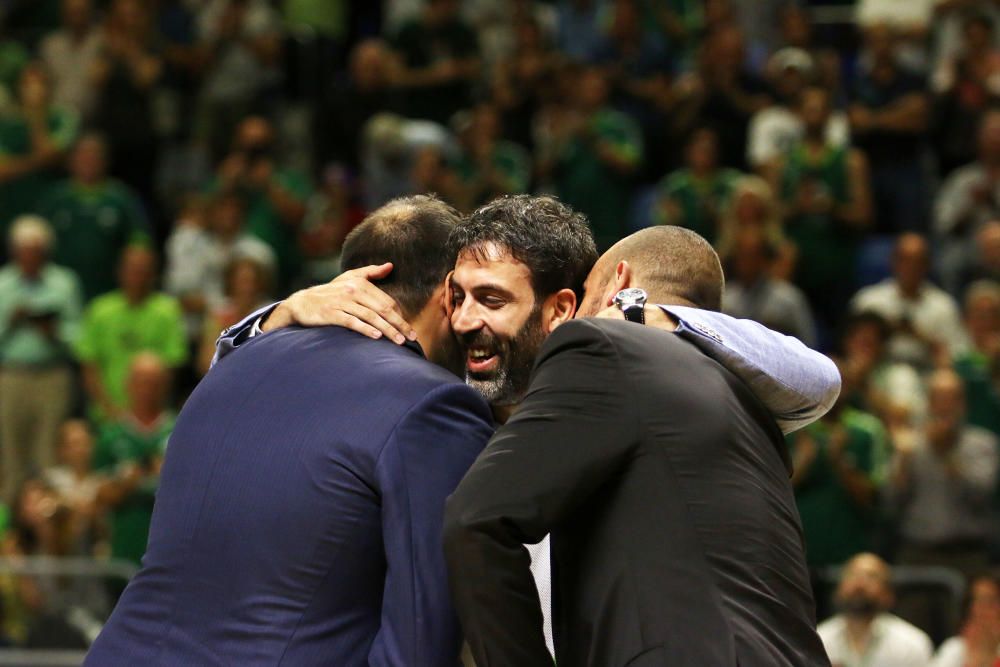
<point x="33" y="86"/>
<point x="702" y="151"/>
<point x="227" y="217"/>
<point x="984" y="602"/>
<point x="368" y="64"/>
<point x="497" y="321"/>
<point x="245" y="281"/>
<point x="978" y="34"/>
<point x="945" y="408"/>
<point x="137" y="272"/>
<point x="441" y="11"/>
<point x="795" y="27"/>
<point x="989" y="138"/>
<point x="789" y="81"/>
<point x="30" y="256"/>
<point x="864" y="590"/>
<point x="864" y="343"/>
<point x="880" y="42"/>
<point x="254" y="134"/>
<point x="814" y="108"/>
<point x="910" y="262"/>
<point x="147" y="383"/>
<point x="129" y="16"/>
<point x="76" y="444"/>
<point x="988" y="245"/>
<point x="982" y="316"/>
<point x="625" y="23"/>
<point x="592" y="90"/>
<point x="88" y="162"/>
<point x="750" y="257"/>
<point x="77" y="14"/>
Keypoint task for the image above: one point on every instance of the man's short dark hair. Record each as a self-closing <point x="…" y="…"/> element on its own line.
<point x="412" y="233"/>
<point x="550" y="238"/>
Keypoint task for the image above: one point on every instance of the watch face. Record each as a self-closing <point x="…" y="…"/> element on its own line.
<point x="632" y="295"/>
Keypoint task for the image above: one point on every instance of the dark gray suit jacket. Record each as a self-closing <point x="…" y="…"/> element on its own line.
<point x="665" y="485"/>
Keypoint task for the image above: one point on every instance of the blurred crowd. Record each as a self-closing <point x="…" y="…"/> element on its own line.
<point x="167" y="166"/>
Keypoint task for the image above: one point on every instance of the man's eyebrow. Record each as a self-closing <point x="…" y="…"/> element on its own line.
<point x="494" y="288"/>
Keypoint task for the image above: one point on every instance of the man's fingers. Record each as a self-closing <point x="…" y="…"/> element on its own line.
<point x="375" y="320"/>
<point x="386" y="307"/>
<point x="373" y="271"/>
<point x="351" y="322"/>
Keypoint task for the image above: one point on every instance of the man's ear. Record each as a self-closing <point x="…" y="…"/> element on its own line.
<point x="558" y="309"/>
<point x="622" y="280"/>
<point x="449" y="302"/>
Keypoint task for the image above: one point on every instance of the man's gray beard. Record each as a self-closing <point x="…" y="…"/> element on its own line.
<point x="496" y="390"/>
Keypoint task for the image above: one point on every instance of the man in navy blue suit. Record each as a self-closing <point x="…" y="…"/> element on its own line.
<point x="300" y="509"/>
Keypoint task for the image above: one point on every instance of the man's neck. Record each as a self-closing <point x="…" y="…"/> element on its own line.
<point x="501" y="413"/>
<point x="859" y="632"/>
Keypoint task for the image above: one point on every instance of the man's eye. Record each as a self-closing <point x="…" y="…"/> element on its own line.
<point x="456" y="298"/>
<point x="494" y="302"/>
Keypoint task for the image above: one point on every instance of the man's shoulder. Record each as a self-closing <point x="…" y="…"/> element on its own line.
<point x="334" y="354"/>
<point x="107" y="304"/>
<point x="607" y="337"/>
<point x="904" y="632"/>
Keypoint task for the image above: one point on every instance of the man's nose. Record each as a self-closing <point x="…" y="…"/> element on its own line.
<point x="466" y="318"/>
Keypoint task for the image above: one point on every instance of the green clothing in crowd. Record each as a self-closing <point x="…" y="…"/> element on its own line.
<point x="114" y="331"/>
<point x="55" y="298"/>
<point x="593" y="188"/>
<point x="510" y="162"/>
<point x="698" y="199"/>
<point x="327" y="17"/>
<point x="127" y="442"/>
<point x="835" y="526"/>
<point x="826" y="249"/>
<point x="92" y="226"/>
<point x="264" y="222"/>
<point x="25" y="194"/>
<point x="982" y="395"/>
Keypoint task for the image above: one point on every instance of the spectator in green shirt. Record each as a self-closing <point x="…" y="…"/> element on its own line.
<point x="839" y="467"/>
<point x="439" y="61"/>
<point x="39" y="312"/>
<point x="119" y="325"/>
<point x="979" y="366"/>
<point x="694" y="196"/>
<point x="95" y="217"/>
<point x="593" y="154"/>
<point x="130" y="452"/>
<point x="274" y="197"/>
<point x="34" y="139"/>
<point x="489" y="166"/>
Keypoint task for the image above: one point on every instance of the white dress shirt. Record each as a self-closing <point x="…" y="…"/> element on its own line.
<point x="894" y="643"/>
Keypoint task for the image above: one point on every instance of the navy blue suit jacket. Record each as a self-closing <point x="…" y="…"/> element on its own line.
<point x="298" y="519"/>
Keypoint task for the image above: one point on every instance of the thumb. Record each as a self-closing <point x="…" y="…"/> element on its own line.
<point x="375" y="271"/>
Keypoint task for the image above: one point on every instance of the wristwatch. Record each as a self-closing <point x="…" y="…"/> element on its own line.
<point x="632" y="302"/>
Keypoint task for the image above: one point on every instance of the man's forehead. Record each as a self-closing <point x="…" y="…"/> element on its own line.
<point x="489" y="261"/>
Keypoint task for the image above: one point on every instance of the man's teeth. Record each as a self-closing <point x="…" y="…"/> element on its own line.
<point x="479" y="354"/>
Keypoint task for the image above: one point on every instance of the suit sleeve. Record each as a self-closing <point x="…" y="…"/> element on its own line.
<point x="574" y="431"/>
<point x="420" y="465"/>
<point x="796" y="384"/>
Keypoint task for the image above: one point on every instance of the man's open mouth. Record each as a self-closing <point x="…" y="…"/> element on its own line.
<point x="481" y="360"/>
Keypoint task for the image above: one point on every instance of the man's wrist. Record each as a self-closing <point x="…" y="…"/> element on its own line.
<point x="276" y="319"/>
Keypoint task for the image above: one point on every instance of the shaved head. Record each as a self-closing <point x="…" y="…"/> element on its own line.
<point x="673" y="264"/>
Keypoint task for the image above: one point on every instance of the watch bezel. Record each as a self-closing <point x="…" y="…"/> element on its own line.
<point x="631" y="296"/>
